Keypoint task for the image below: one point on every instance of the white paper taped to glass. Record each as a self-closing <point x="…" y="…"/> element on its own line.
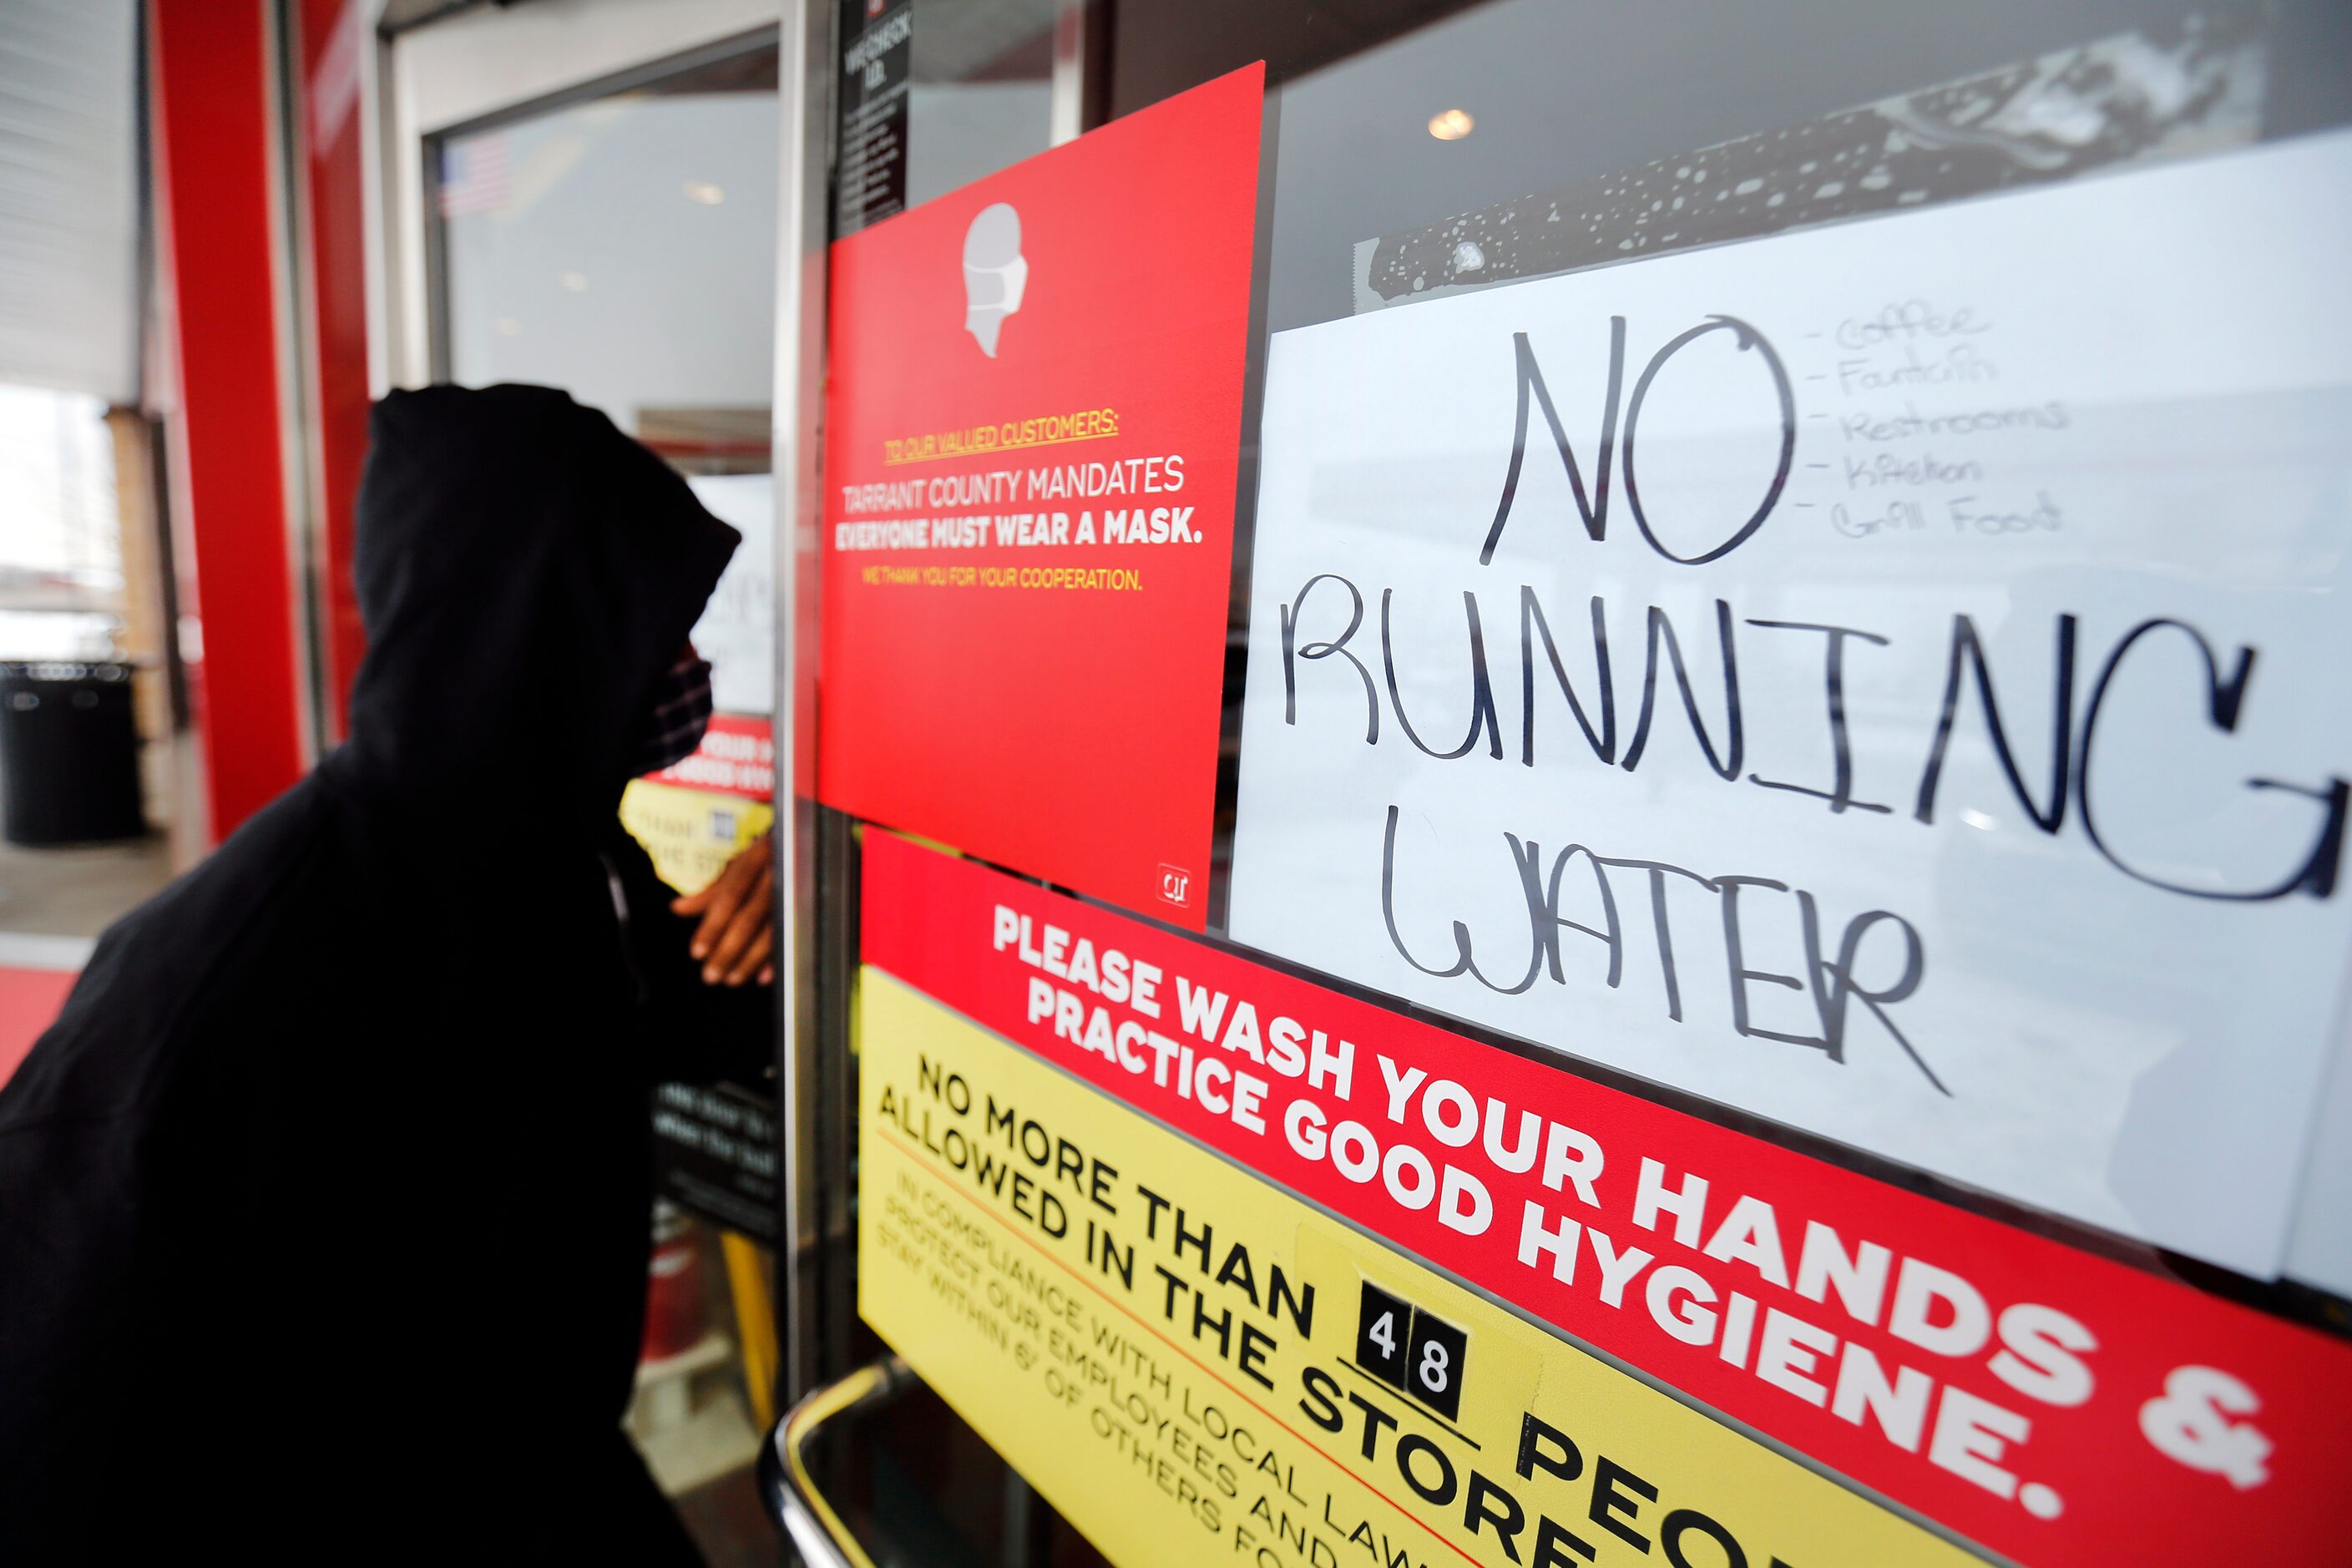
<point x="1891" y="677"/>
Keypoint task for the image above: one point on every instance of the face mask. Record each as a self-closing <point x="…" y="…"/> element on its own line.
<point x="681" y="712"/>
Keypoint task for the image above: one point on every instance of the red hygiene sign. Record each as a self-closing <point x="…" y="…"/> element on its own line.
<point x="1033" y="419"/>
<point x="2047" y="1404"/>
<point x="737" y="756"/>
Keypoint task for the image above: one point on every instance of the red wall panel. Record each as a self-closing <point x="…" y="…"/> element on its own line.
<point x="333" y="33"/>
<point x="211" y="120"/>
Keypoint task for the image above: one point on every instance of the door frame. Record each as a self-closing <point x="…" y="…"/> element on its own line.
<point x="489" y="63"/>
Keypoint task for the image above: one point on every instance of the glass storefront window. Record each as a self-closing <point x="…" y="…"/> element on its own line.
<point x="620" y="245"/>
<point x="1418" y="152"/>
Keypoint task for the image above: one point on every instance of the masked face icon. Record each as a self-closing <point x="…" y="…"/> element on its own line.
<point x="994" y="273"/>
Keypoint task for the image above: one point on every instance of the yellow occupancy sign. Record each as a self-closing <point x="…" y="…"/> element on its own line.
<point x="690" y="834"/>
<point x="1195" y="1367"/>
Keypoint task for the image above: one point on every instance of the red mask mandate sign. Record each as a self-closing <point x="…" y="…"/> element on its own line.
<point x="2046" y="1404"/>
<point x="1033" y="418"/>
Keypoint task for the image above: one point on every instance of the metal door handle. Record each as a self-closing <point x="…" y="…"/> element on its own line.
<point x="793" y="1501"/>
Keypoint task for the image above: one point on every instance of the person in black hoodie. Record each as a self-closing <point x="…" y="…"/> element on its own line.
<point x="324" y="1206"/>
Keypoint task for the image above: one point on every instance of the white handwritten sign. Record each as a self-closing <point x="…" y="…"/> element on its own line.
<point x="1893" y="679"/>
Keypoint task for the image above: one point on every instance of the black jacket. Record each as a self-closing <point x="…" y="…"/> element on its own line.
<point x="323" y="1207"/>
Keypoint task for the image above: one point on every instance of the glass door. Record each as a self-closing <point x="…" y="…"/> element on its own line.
<point x="616" y="240"/>
<point x="1542" y="768"/>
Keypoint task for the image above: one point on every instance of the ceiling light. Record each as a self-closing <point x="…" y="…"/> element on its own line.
<point x="706" y="193"/>
<point x="1451" y="125"/>
<point x="575" y="281"/>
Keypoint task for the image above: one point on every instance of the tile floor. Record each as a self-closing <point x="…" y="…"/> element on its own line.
<point x="52" y="903"/>
<point x="78" y="891"/>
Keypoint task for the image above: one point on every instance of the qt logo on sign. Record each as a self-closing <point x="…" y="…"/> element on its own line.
<point x="1175" y="886"/>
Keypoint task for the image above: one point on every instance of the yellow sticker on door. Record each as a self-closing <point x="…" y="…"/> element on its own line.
<point x="690" y="834"/>
<point x="1195" y="1367"/>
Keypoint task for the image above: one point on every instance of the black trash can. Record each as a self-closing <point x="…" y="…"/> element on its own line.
<point x="68" y="754"/>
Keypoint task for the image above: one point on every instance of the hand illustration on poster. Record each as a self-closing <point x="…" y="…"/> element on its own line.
<point x="1886" y="677"/>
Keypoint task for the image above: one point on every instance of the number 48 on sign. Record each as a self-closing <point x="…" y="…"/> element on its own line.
<point x="1414" y="1351"/>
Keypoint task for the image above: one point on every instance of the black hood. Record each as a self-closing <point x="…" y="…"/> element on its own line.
<point x="525" y="572"/>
